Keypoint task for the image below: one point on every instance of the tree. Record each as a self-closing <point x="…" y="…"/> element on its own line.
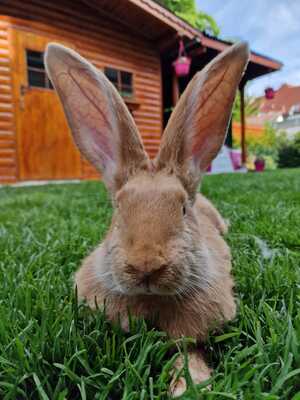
<point x="251" y="107"/>
<point x="186" y="9"/>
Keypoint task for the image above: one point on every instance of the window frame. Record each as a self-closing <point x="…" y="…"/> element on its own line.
<point x="119" y="86"/>
<point x="36" y="69"/>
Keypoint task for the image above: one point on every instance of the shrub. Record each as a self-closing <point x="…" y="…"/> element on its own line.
<point x="274" y="147"/>
<point x="289" y="153"/>
<point x="271" y="162"/>
<point x="264" y="146"/>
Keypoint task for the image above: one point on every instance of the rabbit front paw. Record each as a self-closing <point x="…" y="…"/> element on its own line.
<point x="198" y="370"/>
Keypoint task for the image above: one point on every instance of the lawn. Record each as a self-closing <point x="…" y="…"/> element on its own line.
<point x="51" y="348"/>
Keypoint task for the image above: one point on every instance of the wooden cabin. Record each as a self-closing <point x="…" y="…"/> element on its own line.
<point x="133" y="41"/>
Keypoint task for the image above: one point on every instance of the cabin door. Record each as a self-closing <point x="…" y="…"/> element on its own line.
<point x="45" y="146"/>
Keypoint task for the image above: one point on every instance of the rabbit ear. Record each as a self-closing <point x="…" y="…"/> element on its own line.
<point x="197" y="127"/>
<point x="101" y="124"/>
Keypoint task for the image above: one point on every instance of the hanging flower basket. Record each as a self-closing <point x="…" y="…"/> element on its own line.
<point x="182" y="63"/>
<point x="269" y="93"/>
<point x="182" y="66"/>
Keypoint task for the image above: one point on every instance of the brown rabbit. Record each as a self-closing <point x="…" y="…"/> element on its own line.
<point x="164" y="257"/>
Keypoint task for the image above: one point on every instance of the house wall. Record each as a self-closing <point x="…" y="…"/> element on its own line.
<point x="99" y="39"/>
<point x="290" y="125"/>
<point x="8" y="156"/>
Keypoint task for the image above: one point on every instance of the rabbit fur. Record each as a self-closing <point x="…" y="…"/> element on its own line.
<point x="164" y="257"/>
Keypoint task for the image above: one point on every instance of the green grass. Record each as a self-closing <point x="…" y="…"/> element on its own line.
<point x="52" y="349"/>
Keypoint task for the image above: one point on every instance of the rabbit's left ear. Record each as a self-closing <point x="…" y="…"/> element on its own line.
<point x="100" y="122"/>
<point x="197" y="128"/>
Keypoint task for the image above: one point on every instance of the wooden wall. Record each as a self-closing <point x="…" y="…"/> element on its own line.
<point x="8" y="158"/>
<point x="98" y="38"/>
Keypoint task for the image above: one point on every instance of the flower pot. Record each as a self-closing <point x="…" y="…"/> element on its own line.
<point x="208" y="169"/>
<point x="182" y="66"/>
<point x="259" y="165"/>
<point x="269" y="93"/>
<point x="236" y="158"/>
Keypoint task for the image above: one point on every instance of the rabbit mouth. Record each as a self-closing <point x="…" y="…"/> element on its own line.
<point x="154" y="290"/>
<point x="148" y="289"/>
<point x="163" y="282"/>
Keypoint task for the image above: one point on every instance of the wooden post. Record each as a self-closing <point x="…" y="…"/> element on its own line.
<point x="175" y="89"/>
<point x="243" y="125"/>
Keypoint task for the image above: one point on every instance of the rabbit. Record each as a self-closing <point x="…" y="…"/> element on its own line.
<point x="164" y="257"/>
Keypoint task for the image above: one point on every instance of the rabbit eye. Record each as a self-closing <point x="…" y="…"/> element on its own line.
<point x="183" y="210"/>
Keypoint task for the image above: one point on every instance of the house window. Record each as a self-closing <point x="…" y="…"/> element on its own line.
<point x="37" y="76"/>
<point x="121" y="79"/>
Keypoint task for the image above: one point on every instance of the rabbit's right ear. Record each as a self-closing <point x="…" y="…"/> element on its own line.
<point x="100" y="122"/>
<point x="197" y="128"/>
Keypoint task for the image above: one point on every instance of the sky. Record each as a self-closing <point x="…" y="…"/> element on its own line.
<point x="271" y="27"/>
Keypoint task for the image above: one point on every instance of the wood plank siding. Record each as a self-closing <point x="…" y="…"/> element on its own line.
<point x="8" y="157"/>
<point x="97" y="37"/>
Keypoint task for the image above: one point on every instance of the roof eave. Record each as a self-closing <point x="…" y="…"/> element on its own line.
<point x="254" y="57"/>
<point x="167" y="17"/>
<point x="184" y="28"/>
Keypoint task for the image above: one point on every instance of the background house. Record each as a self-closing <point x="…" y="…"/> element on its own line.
<point x="134" y="41"/>
<point x="282" y="111"/>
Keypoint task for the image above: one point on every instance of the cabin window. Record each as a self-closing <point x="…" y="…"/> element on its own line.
<point x="122" y="80"/>
<point x="37" y="76"/>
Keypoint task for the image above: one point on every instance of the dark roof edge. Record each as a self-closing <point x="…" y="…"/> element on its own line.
<point x="254" y="53"/>
<point x="182" y="26"/>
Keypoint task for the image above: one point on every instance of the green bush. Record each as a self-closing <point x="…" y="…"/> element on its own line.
<point x="264" y="146"/>
<point x="271" y="163"/>
<point x="289" y="153"/>
<point x="275" y="148"/>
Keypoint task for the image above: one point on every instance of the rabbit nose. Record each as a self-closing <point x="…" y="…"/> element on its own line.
<point x="147" y="274"/>
<point x="147" y="278"/>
